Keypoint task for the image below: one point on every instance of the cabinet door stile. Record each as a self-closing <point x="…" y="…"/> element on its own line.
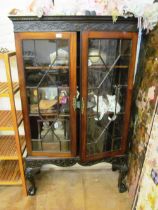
<point x="84" y="75"/>
<point x="73" y="84"/>
<point x="22" y="84"/>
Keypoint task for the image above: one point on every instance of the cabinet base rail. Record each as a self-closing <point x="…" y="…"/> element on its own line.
<point x="33" y="166"/>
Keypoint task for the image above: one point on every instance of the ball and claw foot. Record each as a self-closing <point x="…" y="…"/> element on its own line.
<point x="30" y="175"/>
<point x="123" y="170"/>
<point x="32" y="191"/>
<point x="122" y="188"/>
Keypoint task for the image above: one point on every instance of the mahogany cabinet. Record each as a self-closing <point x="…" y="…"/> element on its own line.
<point x="76" y="80"/>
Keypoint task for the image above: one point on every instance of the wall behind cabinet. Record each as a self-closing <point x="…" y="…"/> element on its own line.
<point x="7" y="41"/>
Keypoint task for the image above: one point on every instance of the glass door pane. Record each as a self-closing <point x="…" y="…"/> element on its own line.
<point x="106" y="64"/>
<point x="47" y="73"/>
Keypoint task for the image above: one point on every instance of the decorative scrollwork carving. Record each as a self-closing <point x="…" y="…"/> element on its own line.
<point x="74" y="23"/>
<point x="33" y="166"/>
<point x="66" y="162"/>
<point x="63" y="162"/>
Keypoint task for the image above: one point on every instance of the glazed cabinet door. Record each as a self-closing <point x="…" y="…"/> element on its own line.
<point x="47" y="71"/>
<point x="108" y="61"/>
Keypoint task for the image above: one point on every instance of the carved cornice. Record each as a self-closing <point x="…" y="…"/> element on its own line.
<point x="72" y="23"/>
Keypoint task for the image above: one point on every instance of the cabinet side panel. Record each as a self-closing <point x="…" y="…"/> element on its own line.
<point x="129" y="92"/>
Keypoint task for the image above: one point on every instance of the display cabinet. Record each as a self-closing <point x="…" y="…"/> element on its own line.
<point x="76" y="81"/>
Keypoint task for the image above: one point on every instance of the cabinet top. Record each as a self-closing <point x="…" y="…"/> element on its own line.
<point x="72" y="23"/>
<point x="72" y="18"/>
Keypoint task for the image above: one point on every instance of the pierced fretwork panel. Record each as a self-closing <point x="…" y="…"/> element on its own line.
<point x="108" y="64"/>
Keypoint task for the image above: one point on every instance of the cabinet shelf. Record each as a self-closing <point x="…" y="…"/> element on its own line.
<point x="4" y="89"/>
<point x="48" y="114"/>
<point x="104" y="67"/>
<point x="8" y="149"/>
<point x="9" y="173"/>
<point x="66" y="67"/>
<point x="48" y="86"/>
<point x="6" y="121"/>
<point x="46" y="67"/>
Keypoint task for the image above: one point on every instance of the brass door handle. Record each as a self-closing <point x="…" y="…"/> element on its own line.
<point x="82" y="106"/>
<point x="74" y="103"/>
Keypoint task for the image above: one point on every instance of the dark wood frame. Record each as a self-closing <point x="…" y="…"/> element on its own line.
<point x="48" y="24"/>
<point x="109" y="35"/>
<point x="71" y="36"/>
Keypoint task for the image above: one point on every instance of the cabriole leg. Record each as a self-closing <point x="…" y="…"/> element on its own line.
<point x="30" y="174"/>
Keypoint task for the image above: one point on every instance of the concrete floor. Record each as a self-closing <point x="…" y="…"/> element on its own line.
<point x="75" y="188"/>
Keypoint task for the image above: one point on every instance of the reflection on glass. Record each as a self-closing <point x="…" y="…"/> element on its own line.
<point x="108" y="63"/>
